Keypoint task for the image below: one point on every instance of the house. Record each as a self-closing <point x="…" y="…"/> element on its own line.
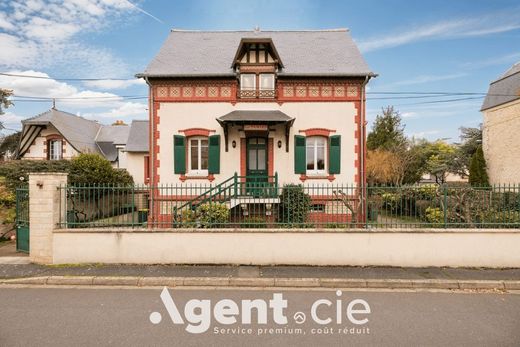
<point x="267" y="106"/>
<point x="501" y="143"/>
<point x="56" y="135"/>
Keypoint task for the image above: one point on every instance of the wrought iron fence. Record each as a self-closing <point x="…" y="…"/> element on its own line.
<point x="253" y="202"/>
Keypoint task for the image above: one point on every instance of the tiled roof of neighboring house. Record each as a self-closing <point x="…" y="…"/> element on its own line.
<point x="87" y="136"/>
<point x="304" y="53"/>
<point x="78" y="131"/>
<point x="138" y="139"/>
<point x="505" y="89"/>
<point x="117" y="134"/>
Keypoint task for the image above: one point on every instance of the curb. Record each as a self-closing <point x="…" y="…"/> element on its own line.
<point x="353" y="283"/>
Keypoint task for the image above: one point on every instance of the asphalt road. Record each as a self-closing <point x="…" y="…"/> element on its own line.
<point x="122" y="317"/>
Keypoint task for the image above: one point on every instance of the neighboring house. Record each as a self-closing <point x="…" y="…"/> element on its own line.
<point x="56" y="135"/>
<point x="258" y="103"/>
<point x="270" y="106"/>
<point x="450" y="178"/>
<point x="501" y="128"/>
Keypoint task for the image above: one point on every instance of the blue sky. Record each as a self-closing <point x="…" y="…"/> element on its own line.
<point x="414" y="46"/>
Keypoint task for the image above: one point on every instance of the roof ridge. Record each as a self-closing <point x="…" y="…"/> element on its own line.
<point x="260" y="31"/>
<point x="504" y="77"/>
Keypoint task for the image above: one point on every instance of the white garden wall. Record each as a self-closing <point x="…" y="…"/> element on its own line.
<point x="454" y="248"/>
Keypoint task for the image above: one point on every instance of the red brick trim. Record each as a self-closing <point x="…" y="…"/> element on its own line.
<point x="304" y="177"/>
<point x="243" y="158"/>
<point x="317" y="132"/>
<point x="209" y="177"/>
<point x="197" y="132"/>
<point x="270" y="157"/>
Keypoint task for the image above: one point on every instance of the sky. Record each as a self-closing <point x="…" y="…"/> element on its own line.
<point x="414" y="46"/>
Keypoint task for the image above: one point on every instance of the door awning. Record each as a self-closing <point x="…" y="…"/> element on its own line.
<point x="244" y="117"/>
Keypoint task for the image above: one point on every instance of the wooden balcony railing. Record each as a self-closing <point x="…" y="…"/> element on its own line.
<point x="257" y="94"/>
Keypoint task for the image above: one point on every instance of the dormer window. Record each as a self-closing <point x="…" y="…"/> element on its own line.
<point x="256" y="63"/>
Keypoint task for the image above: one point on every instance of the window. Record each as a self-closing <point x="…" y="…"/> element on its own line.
<point x="315" y="155"/>
<point x="198" y="156"/>
<point x="54" y="149"/>
<point x="267" y="81"/>
<point x="248" y="82"/>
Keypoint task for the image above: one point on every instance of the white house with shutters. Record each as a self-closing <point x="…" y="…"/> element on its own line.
<point x="261" y="106"/>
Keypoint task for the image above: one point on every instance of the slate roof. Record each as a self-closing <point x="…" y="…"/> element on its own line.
<point x="304" y="53"/>
<point x="254" y="116"/>
<point x="503" y="90"/>
<point x="87" y="135"/>
<point x="138" y="139"/>
<point x="78" y="131"/>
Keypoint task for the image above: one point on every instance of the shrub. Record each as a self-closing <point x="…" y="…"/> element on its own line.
<point x="501" y="218"/>
<point x="90" y="168"/>
<point x="434" y="215"/>
<point x="16" y="172"/>
<point x="212" y="215"/>
<point x="294" y="205"/>
<point x="477" y="169"/>
<point x="254" y="222"/>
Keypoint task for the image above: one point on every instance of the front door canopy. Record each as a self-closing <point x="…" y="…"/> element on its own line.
<point x="244" y="117"/>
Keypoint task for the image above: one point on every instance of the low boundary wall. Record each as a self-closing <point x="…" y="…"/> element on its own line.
<point x="394" y="247"/>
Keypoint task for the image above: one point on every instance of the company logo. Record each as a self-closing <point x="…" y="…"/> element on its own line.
<point x="197" y="315"/>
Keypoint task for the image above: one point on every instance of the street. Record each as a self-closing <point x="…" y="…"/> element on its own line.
<point x="122" y="316"/>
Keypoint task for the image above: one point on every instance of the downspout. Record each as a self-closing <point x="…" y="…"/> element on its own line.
<point x="362" y="151"/>
<point x="151" y="151"/>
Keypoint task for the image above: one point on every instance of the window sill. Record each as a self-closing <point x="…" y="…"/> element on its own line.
<point x="304" y="177"/>
<point x="209" y="177"/>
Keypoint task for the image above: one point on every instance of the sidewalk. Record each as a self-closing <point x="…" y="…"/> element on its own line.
<point x="262" y="276"/>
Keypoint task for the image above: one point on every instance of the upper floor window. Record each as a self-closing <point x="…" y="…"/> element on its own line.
<point x="54" y="149"/>
<point x="248" y="83"/>
<point x="315" y="155"/>
<point x="198" y="156"/>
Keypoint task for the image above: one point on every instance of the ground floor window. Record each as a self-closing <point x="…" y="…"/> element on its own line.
<point x="54" y="149"/>
<point x="198" y="155"/>
<point x="315" y="155"/>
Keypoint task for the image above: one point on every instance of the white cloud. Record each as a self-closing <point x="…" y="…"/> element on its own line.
<point x="72" y="96"/>
<point x="11" y="121"/>
<point x="114" y="84"/>
<point x="428" y="78"/>
<point x="488" y="24"/>
<point x="44" y="33"/>
<point x="127" y="110"/>
<point x="499" y="60"/>
<point x="424" y="134"/>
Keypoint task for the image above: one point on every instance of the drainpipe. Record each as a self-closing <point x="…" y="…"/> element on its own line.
<point x="362" y="124"/>
<point x="151" y="151"/>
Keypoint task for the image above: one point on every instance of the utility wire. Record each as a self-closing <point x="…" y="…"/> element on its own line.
<point x="65" y="79"/>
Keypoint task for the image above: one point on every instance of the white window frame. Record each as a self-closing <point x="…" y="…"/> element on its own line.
<point x="242" y="81"/>
<point x="52" y="152"/>
<point x="314" y="148"/>
<point x="271" y="87"/>
<point x="199" y="171"/>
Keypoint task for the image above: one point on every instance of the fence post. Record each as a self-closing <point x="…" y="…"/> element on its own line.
<point x="235" y="184"/>
<point x="445" y="193"/>
<point x="44" y="213"/>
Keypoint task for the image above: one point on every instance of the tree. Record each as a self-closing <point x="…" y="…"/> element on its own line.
<point x="4" y="99"/>
<point x="440" y="160"/>
<point x="88" y="168"/>
<point x="387" y="131"/>
<point x="471" y="140"/>
<point x="9" y="144"/>
<point x="477" y="169"/>
<point x="384" y="167"/>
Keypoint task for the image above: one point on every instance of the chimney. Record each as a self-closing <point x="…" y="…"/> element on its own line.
<point x="119" y="122"/>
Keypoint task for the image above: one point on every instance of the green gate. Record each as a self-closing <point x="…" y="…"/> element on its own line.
<point x="22" y="219"/>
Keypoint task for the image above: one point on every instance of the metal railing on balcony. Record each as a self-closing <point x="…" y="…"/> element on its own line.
<point x="244" y="202"/>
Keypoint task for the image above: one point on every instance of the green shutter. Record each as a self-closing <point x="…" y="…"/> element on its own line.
<point x="179" y="154"/>
<point x="334" y="154"/>
<point x="299" y="154"/>
<point x="214" y="154"/>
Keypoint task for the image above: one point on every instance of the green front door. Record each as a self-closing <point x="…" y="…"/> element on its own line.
<point x="256" y="181"/>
